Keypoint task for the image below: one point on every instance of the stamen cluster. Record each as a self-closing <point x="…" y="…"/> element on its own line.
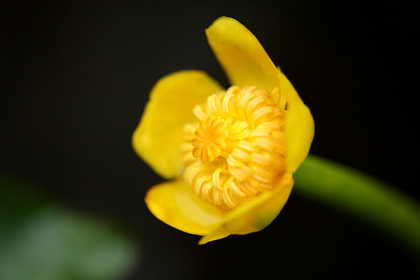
<point x="236" y="149"/>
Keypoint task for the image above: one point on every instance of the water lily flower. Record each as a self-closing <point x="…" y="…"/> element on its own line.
<point x="229" y="154"/>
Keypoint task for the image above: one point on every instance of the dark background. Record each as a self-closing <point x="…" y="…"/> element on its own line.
<point x="76" y="75"/>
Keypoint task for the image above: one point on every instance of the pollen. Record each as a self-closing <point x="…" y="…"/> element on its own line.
<point x="235" y="150"/>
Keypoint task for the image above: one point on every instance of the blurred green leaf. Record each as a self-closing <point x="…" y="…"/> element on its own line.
<point x="42" y="240"/>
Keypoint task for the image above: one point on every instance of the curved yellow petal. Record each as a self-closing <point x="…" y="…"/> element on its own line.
<point x="160" y="131"/>
<point x="255" y="215"/>
<point x="241" y="54"/>
<point x="246" y="63"/>
<point x="299" y="126"/>
<point x="175" y="204"/>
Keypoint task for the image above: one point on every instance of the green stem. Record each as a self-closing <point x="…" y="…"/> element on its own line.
<point x="362" y="196"/>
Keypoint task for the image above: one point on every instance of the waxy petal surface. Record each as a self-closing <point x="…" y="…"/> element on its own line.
<point x="175" y="204"/>
<point x="299" y="127"/>
<point x="241" y="55"/>
<point x="160" y="131"/>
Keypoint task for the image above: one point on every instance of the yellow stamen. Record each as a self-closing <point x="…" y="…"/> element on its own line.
<point x="236" y="150"/>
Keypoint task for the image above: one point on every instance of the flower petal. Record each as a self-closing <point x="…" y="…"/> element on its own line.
<point x="241" y="54"/>
<point x="299" y="126"/>
<point x="175" y="204"/>
<point x="255" y="215"/>
<point x="246" y="63"/>
<point x="160" y="131"/>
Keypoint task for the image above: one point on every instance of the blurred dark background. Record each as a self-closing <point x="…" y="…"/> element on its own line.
<point x="76" y="75"/>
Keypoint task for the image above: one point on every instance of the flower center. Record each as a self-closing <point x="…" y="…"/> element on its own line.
<point x="236" y="150"/>
<point x="210" y="138"/>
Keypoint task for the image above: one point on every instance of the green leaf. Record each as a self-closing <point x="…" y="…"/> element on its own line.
<point x="40" y="239"/>
<point x="364" y="197"/>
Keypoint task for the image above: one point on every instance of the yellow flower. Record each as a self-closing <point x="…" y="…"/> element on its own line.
<point x="230" y="154"/>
